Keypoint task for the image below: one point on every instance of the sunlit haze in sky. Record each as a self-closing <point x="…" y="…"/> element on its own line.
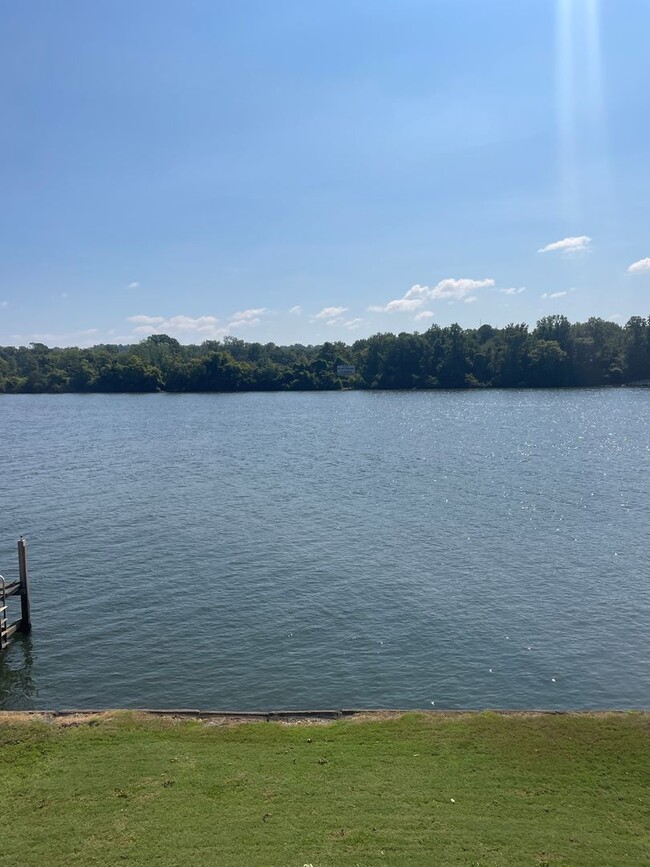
<point x="309" y="171"/>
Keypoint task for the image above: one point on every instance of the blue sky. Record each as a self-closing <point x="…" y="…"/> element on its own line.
<point x="203" y="168"/>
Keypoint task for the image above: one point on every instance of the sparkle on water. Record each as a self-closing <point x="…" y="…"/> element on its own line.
<point x="456" y="550"/>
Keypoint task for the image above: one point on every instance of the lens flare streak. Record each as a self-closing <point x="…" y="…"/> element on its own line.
<point x="579" y="91"/>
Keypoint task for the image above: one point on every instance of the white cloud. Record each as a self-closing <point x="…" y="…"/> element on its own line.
<point x="616" y="317"/>
<point x="71" y="338"/>
<point x="251" y="313"/>
<point x="141" y="319"/>
<point x="418" y="291"/>
<point x="417" y="296"/>
<point x="330" y="312"/>
<point x="424" y="314"/>
<point x="199" y="326"/>
<point x="554" y="294"/>
<point x="400" y="305"/>
<point x="579" y="244"/>
<point x="458" y="289"/>
<point x="336" y="321"/>
<point x="246" y="318"/>
<point x="640" y="267"/>
<point x="134" y="285"/>
<point x="513" y="291"/>
<point x="471" y="299"/>
<point x="353" y="323"/>
<point x="296" y="311"/>
<point x="243" y="323"/>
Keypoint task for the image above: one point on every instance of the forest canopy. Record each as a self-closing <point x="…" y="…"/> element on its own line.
<point x="556" y="353"/>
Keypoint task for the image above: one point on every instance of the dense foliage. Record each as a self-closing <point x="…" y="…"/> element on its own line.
<point x="555" y="353"/>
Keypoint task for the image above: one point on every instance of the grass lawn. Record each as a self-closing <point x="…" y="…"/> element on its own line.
<point x="418" y="789"/>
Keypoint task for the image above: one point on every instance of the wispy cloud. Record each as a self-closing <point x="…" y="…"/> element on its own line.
<point x="251" y="313"/>
<point x="296" y="311"/>
<point x="417" y="296"/>
<point x="554" y="294"/>
<point x="423" y="314"/>
<point x="399" y="305"/>
<point x="458" y="289"/>
<point x="196" y="326"/>
<point x="246" y="318"/>
<point x="513" y="291"/>
<point x="244" y="323"/>
<point x="578" y="244"/>
<point x="471" y="299"/>
<point x="640" y="267"/>
<point x="353" y="324"/>
<point x="329" y="312"/>
<point x="134" y="285"/>
<point x="86" y="337"/>
<point x="143" y="319"/>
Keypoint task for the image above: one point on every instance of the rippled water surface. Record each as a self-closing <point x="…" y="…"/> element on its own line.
<point x="472" y="549"/>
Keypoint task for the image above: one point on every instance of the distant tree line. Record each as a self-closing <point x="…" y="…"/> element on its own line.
<point x="555" y="353"/>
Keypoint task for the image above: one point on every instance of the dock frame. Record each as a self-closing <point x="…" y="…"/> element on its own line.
<point x="19" y="588"/>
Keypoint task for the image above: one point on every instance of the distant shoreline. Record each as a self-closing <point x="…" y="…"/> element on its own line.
<point x="345" y="390"/>
<point x="555" y="354"/>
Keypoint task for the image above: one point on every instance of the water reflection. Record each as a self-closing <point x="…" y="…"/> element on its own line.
<point x="345" y="550"/>
<point x="17" y="689"/>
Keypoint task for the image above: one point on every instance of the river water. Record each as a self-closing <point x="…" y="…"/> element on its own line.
<point x="325" y="550"/>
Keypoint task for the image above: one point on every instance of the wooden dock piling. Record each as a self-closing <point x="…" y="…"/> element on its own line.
<point x="25" y="612"/>
<point x="16" y="588"/>
<point x="3" y="614"/>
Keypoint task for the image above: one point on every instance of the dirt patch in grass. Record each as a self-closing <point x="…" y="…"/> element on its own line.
<point x="288" y="718"/>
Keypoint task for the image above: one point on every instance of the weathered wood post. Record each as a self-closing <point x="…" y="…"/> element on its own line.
<point x="3" y="619"/>
<point x="26" y="618"/>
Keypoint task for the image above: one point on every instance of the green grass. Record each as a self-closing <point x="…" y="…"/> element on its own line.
<point x="415" y="790"/>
